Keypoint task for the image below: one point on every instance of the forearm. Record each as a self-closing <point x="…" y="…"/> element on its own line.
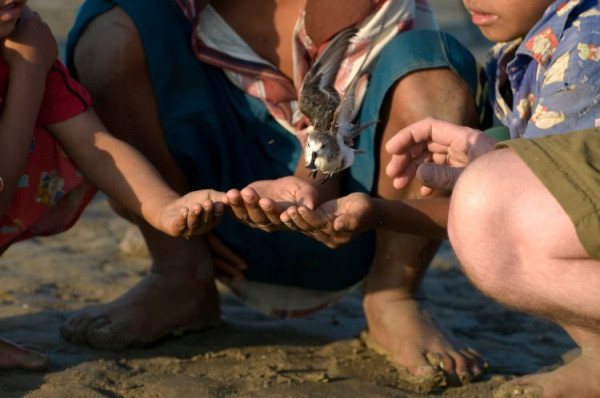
<point x="115" y="167"/>
<point x="424" y="217"/>
<point x="17" y="124"/>
<point x="121" y="172"/>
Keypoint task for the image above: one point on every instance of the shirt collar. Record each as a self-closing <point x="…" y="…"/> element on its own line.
<point x="542" y="40"/>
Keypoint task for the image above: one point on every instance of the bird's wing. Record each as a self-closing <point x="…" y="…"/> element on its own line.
<point x="318" y="97"/>
<point x="342" y="118"/>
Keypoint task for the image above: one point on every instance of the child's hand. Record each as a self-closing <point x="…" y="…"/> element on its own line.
<point x="31" y="44"/>
<point x="193" y="214"/>
<point x="336" y="222"/>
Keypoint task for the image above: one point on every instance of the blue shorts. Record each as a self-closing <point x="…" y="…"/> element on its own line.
<point x="222" y="138"/>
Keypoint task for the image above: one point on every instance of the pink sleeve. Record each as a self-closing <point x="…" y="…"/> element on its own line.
<point x="64" y="97"/>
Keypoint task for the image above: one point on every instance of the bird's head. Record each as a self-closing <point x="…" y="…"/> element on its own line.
<point x="322" y="153"/>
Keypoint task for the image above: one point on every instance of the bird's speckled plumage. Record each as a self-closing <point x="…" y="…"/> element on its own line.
<point x="329" y="142"/>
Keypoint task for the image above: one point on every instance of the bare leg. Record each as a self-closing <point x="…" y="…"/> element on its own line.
<point x="395" y="319"/>
<point x="518" y="246"/>
<point x="13" y="356"/>
<point x="179" y="293"/>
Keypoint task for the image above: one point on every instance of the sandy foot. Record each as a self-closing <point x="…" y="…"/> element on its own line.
<point x="13" y="356"/>
<point x="578" y="378"/>
<point x="159" y="305"/>
<point x="426" y="358"/>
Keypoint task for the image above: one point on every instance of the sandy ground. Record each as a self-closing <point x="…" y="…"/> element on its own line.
<point x="45" y="280"/>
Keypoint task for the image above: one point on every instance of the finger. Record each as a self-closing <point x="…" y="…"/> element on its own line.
<point x="417" y="133"/>
<point x="313" y="218"/>
<point x="345" y="223"/>
<point x="271" y="210"/>
<point x="440" y="158"/>
<point x="425" y="191"/>
<point x="219" y="210"/>
<point x="398" y="165"/>
<point x="207" y="212"/>
<point x="402" y="140"/>
<point x="438" y="176"/>
<point x="255" y="213"/>
<point x="237" y="206"/>
<point x="299" y="221"/>
<point x="406" y="177"/>
<point x="193" y="218"/>
<point x="286" y="218"/>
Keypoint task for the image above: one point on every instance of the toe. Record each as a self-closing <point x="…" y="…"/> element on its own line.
<point x="104" y="335"/>
<point x="13" y="356"/>
<point x="75" y="329"/>
<point x="34" y="360"/>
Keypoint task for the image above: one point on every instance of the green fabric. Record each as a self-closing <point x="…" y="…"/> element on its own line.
<point x="569" y="166"/>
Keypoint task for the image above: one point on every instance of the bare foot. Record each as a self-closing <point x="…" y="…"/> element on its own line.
<point x="579" y="378"/>
<point x="424" y="354"/>
<point x="161" y="304"/>
<point x="13" y="356"/>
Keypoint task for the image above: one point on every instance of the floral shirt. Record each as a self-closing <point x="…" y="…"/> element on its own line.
<point x="51" y="193"/>
<point x="553" y="73"/>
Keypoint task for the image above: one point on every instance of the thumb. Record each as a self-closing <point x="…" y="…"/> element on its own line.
<point x="438" y="176"/>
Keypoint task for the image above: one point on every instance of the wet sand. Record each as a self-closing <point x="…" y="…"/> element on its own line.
<point x="251" y="355"/>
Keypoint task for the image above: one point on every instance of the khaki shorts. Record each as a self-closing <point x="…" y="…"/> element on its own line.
<point x="569" y="166"/>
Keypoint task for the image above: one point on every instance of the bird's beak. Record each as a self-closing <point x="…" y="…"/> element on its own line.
<point x="311" y="165"/>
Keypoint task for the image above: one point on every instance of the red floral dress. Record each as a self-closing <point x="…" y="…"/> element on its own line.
<point x="51" y="193"/>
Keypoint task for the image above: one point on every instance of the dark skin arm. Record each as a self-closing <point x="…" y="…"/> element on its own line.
<point x="338" y="221"/>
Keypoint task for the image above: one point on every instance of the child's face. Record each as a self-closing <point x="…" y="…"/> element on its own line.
<point x="10" y="12"/>
<point x="504" y="20"/>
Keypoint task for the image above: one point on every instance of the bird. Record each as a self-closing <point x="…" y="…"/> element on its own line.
<point x="330" y="137"/>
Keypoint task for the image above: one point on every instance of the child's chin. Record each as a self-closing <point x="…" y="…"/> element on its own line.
<point x="497" y="35"/>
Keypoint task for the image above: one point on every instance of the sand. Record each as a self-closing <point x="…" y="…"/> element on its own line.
<point x="45" y="280"/>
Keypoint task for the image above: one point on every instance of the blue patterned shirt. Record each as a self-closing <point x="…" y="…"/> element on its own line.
<point x="553" y="73"/>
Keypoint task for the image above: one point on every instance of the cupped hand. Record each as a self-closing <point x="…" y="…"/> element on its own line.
<point x="444" y="144"/>
<point x="260" y="204"/>
<point x="193" y="214"/>
<point x="336" y="222"/>
<point x="31" y="44"/>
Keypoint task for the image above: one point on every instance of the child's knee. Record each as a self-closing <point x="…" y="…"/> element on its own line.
<point x="439" y="93"/>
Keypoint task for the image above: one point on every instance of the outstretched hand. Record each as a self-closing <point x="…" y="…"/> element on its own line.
<point x="260" y="204"/>
<point x="435" y="152"/>
<point x="193" y="214"/>
<point x="335" y="222"/>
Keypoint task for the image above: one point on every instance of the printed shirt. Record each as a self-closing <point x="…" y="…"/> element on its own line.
<point x="554" y="73"/>
<point x="36" y="207"/>
<point x="216" y="43"/>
